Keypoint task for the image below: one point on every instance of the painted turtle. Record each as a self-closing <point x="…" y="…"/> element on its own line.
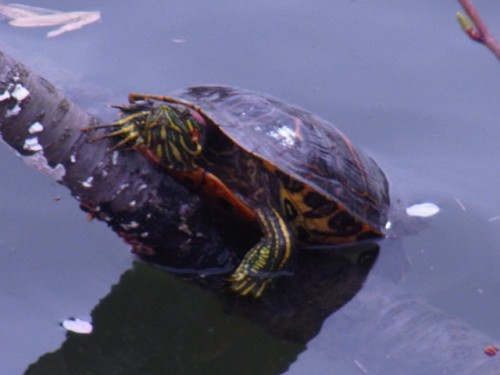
<point x="292" y="173"/>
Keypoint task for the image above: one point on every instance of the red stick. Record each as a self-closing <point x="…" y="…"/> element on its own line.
<point x="478" y="31"/>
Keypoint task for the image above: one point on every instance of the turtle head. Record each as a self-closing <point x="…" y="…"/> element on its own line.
<point x="169" y="135"/>
<point x="174" y="136"/>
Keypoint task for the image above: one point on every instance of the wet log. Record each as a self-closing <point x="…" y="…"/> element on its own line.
<point x="139" y="202"/>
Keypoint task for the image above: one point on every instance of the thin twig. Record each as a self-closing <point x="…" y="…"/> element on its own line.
<point x="476" y="28"/>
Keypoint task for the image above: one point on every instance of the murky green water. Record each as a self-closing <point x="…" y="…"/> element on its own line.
<point x="400" y="79"/>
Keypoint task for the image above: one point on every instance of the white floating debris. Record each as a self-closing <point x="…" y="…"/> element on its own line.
<point x="20" y="92"/>
<point x="78" y="326"/>
<point x="27" y="16"/>
<point x="460" y="204"/>
<point x="360" y="366"/>
<point x="423" y="210"/>
<point x="88" y="182"/>
<point x="5" y="95"/>
<point x="72" y="158"/>
<point x="32" y="144"/>
<point x="36" y="127"/>
<point x="388" y="225"/>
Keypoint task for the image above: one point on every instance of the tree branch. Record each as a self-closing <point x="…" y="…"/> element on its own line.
<point x="476" y="28"/>
<point x="139" y="202"/>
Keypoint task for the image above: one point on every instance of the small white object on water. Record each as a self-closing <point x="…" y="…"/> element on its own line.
<point x="77" y="326"/>
<point x="36" y="127"/>
<point x="460" y="204"/>
<point x="360" y="366"/>
<point x="388" y="225"/>
<point x="32" y="144"/>
<point x="178" y="40"/>
<point x="423" y="210"/>
<point x="20" y="92"/>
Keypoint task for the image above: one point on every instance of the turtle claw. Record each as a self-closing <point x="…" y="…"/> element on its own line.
<point x="244" y="284"/>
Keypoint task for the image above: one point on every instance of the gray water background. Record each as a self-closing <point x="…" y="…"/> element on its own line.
<point x="399" y="78"/>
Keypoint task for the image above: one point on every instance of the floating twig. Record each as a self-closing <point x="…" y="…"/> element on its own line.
<point x="27" y="16"/>
<point x="460" y="204"/>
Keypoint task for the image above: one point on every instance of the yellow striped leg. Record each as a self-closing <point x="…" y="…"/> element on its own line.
<point x="267" y="259"/>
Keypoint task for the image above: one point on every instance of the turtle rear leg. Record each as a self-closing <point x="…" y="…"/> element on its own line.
<point x="268" y="258"/>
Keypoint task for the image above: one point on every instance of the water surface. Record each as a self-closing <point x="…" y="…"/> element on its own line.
<point x="399" y="78"/>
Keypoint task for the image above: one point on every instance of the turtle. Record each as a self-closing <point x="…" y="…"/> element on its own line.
<point x="275" y="165"/>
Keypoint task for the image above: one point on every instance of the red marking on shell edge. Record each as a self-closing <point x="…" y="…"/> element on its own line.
<point x="491" y="350"/>
<point x="198" y="117"/>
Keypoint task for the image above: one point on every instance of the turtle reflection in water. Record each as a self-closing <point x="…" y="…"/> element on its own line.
<point x="295" y="175"/>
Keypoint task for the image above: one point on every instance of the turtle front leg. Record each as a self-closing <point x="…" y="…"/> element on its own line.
<point x="268" y="258"/>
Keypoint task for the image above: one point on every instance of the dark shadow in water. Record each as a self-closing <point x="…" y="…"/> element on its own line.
<point x="155" y="323"/>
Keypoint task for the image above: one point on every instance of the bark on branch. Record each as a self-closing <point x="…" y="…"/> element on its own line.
<point x="477" y="30"/>
<point x="136" y="200"/>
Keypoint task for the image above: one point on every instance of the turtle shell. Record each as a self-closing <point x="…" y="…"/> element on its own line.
<point x="307" y="153"/>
